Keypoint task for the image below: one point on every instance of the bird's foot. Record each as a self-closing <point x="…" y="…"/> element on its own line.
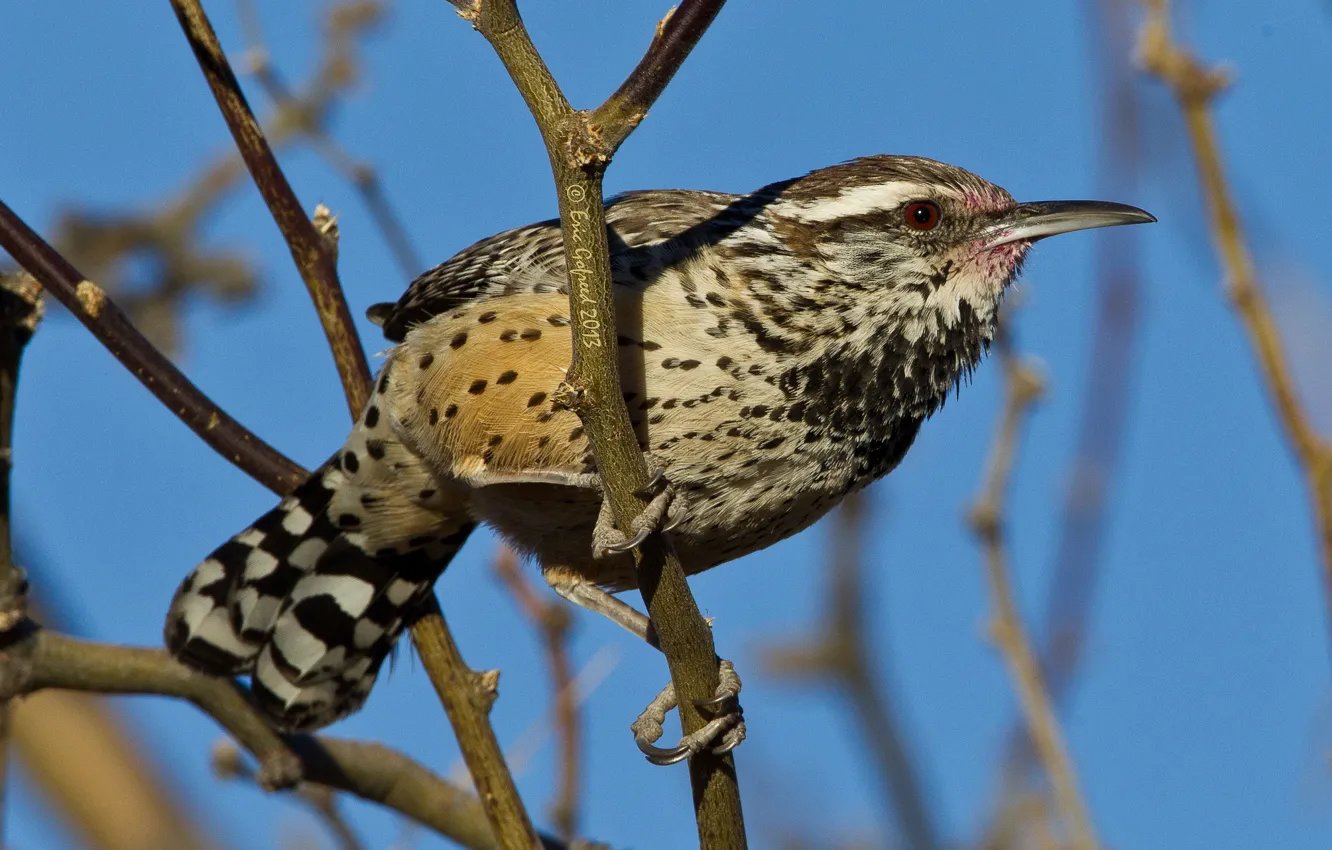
<point x="722" y="733"/>
<point x="657" y="516"/>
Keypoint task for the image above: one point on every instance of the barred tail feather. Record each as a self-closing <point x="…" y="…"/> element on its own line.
<point x="224" y="610"/>
<point x="339" y="625"/>
<point x="311" y="598"/>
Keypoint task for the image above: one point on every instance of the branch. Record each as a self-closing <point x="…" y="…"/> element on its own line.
<point x="311" y="251"/>
<point x="112" y="328"/>
<point x="579" y="153"/>
<point x="344" y="21"/>
<point x="842" y="653"/>
<point x="552" y="619"/>
<point x="676" y="36"/>
<point x="229" y="763"/>
<point x="21" y="309"/>
<point x="466" y="695"/>
<point x="1194" y="86"/>
<point x="44" y="659"/>
<point x="986" y="518"/>
<point x="1079" y="556"/>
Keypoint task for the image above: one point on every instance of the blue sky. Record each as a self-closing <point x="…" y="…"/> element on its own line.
<point x="1203" y="716"/>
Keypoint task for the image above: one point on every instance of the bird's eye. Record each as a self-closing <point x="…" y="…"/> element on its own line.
<point x="921" y="215"/>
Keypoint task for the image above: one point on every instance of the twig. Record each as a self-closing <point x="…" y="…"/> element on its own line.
<point x="1082" y="516"/>
<point x="552" y="619"/>
<point x="675" y="38"/>
<point x="580" y="148"/>
<point x="1194" y="86"/>
<point x="100" y="315"/>
<point x="21" y="309"/>
<point x="230" y="763"/>
<point x="311" y="252"/>
<point x="842" y="654"/>
<point x="168" y="235"/>
<point x="466" y="695"/>
<point x="373" y="772"/>
<point x="343" y="21"/>
<point x="986" y="518"/>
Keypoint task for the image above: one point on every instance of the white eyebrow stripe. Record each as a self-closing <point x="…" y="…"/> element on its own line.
<point x="877" y="197"/>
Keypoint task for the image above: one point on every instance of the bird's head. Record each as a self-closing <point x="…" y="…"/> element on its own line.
<point x="924" y="246"/>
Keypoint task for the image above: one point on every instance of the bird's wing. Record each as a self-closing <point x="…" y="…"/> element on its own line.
<point x="672" y="223"/>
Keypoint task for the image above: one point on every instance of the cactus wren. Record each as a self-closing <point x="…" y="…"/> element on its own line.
<point x="778" y="351"/>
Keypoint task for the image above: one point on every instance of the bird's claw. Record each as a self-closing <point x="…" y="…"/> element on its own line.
<point x="720" y="735"/>
<point x="657" y="516"/>
<point x="630" y="544"/>
<point x="656" y="483"/>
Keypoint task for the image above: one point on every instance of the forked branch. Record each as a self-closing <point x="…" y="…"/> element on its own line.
<point x="580" y="146"/>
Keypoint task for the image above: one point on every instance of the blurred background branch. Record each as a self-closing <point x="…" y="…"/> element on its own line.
<point x="1194" y="86"/>
<point x="840" y="653"/>
<point x="987" y="517"/>
<point x="153" y="260"/>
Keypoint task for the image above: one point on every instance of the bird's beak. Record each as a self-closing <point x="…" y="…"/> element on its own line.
<point x="1029" y="222"/>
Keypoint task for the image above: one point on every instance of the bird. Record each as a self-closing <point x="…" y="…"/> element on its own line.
<point x="778" y="350"/>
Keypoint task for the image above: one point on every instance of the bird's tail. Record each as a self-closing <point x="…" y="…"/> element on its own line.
<point x="310" y="599"/>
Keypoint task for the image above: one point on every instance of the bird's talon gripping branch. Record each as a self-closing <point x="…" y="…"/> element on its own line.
<point x="654" y="486"/>
<point x="630" y="544"/>
<point x="656" y="517"/>
<point x="722" y="733"/>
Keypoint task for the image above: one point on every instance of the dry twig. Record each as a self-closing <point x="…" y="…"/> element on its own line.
<point x="1082" y="519"/>
<point x="466" y="695"/>
<point x="986" y="518"/>
<point x="580" y="146"/>
<point x="91" y="306"/>
<point x="21" y="309"/>
<point x="229" y="763"/>
<point x="338" y="69"/>
<point x="315" y="258"/>
<point x="168" y="236"/>
<point x="551" y="618"/>
<point x="1194" y="87"/>
<point x="842" y="653"/>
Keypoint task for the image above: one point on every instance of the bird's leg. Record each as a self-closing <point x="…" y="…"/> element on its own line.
<point x="726" y="727"/>
<point x="609" y="540"/>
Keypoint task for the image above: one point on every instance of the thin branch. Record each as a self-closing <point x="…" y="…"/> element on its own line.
<point x="1023" y="388"/>
<point x="344" y="21"/>
<point x="1194" y="87"/>
<point x="45" y="659"/>
<point x="466" y="695"/>
<point x="676" y="36"/>
<point x="310" y="250"/>
<point x="230" y="763"/>
<point x="579" y="155"/>
<point x="1078" y="558"/>
<point x="842" y="654"/>
<point x="112" y="328"/>
<point x="21" y="309"/>
<point x="552" y="620"/>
